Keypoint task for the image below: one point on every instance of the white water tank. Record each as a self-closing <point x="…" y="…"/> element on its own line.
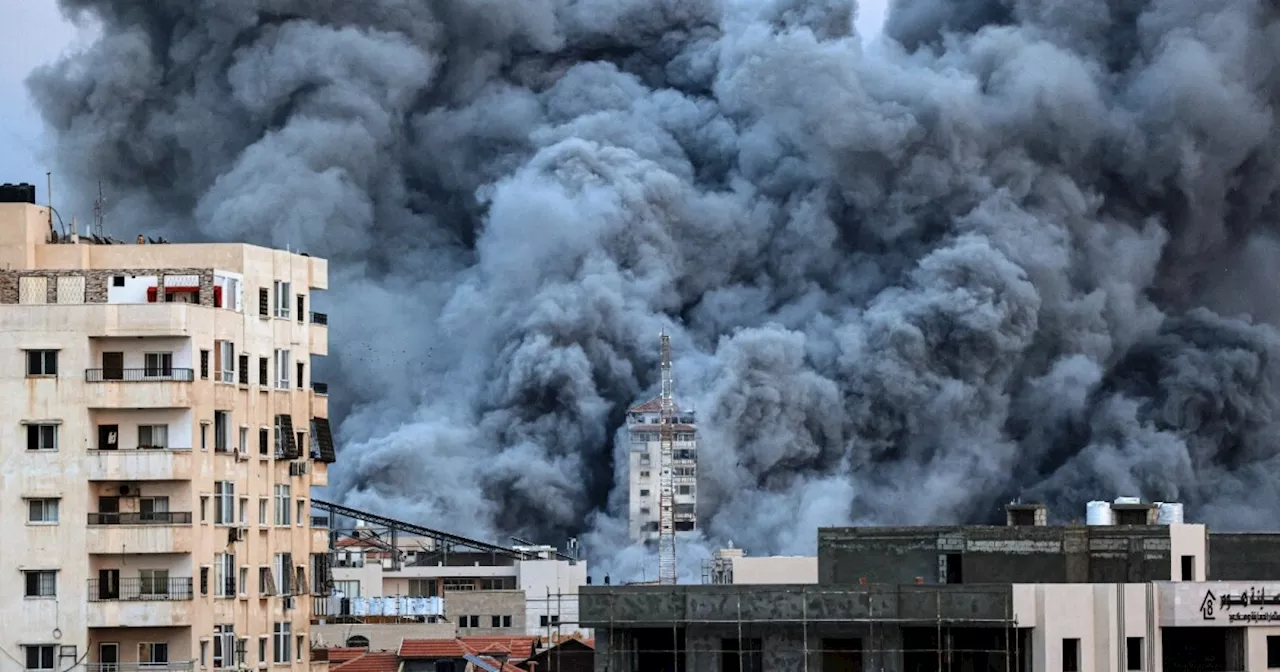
<point x="1098" y="513"/>
<point x="1169" y="513"/>
<point x="1128" y="500"/>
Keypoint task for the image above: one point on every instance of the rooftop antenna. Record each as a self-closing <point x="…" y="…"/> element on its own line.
<point x="666" y="490"/>
<point x="99" y="212"/>
<point x="48" y="195"/>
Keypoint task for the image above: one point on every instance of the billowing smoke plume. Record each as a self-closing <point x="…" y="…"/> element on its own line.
<point x="1016" y="248"/>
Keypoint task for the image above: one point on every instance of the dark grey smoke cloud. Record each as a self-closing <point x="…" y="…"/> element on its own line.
<point x="1015" y="249"/>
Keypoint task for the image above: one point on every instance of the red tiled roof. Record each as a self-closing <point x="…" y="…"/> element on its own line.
<point x="502" y="666"/>
<point x="433" y="648"/>
<point x="382" y="661"/>
<point x="515" y="648"/>
<point x="654" y="405"/>
<point x="519" y="648"/>
<point x="341" y="654"/>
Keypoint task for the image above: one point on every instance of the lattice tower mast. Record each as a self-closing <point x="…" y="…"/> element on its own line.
<point x="666" y="486"/>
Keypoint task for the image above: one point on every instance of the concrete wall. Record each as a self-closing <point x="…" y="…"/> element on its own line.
<point x="486" y="604"/>
<point x="76" y="475"/>
<point x="1243" y="557"/>
<point x="382" y="637"/>
<point x="1102" y="617"/>
<point x="775" y="569"/>
<point x="989" y="554"/>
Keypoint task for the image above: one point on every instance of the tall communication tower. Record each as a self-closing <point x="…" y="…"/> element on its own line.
<point x="666" y="488"/>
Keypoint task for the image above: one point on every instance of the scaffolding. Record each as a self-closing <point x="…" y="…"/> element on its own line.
<point x="811" y="629"/>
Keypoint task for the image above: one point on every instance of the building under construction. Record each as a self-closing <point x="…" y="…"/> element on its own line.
<point x="645" y="426"/>
<point x="1131" y="590"/>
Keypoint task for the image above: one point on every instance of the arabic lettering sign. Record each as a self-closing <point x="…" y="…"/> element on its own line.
<point x="1219" y="604"/>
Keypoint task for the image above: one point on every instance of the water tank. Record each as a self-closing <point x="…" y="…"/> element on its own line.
<point x="1169" y="513"/>
<point x="1098" y="513"/>
<point x="1128" y="500"/>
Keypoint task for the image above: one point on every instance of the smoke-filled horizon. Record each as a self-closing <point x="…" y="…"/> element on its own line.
<point x="1017" y="249"/>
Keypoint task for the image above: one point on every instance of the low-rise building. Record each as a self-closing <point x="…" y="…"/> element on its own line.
<point x="1137" y="590"/>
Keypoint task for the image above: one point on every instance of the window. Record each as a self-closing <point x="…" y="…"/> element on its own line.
<point x="42" y="437"/>
<point x="1133" y="653"/>
<point x="243" y="444"/>
<point x="158" y="364"/>
<point x="282" y="637"/>
<point x="154" y="509"/>
<point x="283" y="294"/>
<point x="684" y="489"/>
<point x="301" y="442"/>
<point x="204" y="506"/>
<point x="41" y="583"/>
<point x="264" y="301"/>
<point x="242" y="651"/>
<point x="282" y="369"/>
<point x="302" y="313"/>
<point x="226" y="361"/>
<point x="153" y="436"/>
<point x="954" y="568"/>
<point x="244" y="509"/>
<point x="495" y="621"/>
<point x="302" y="511"/>
<point x="302" y="369"/>
<point x="262" y="511"/>
<point x="204" y="580"/>
<point x="224" y="646"/>
<point x="153" y="653"/>
<point x="644" y="474"/>
<point x="39" y="656"/>
<point x="283" y="573"/>
<point x="282" y="504"/>
<point x="42" y="511"/>
<point x="244" y="369"/>
<point x="264" y="442"/>
<point x="1273" y="651"/>
<point x="221" y="432"/>
<point x="154" y="582"/>
<point x="266" y="582"/>
<point x="204" y="364"/>
<point x="644" y="493"/>
<point x="262" y="641"/>
<point x="1188" y="568"/>
<point x="352" y="588"/>
<point x="644" y="510"/>
<point x="263" y="368"/>
<point x="224" y="575"/>
<point x="42" y="362"/>
<point x="204" y="435"/>
<point x="741" y="655"/>
<point x="224" y="503"/>
<point x="1070" y="655"/>
<point x="244" y="580"/>
<point x="506" y="621"/>
<point x="298" y="647"/>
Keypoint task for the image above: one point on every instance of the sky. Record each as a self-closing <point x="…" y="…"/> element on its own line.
<point x="44" y="34"/>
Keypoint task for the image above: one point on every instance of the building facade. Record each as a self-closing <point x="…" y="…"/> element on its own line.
<point x="644" y="453"/>
<point x="528" y="591"/>
<point x="1124" y="594"/>
<point x="160" y="437"/>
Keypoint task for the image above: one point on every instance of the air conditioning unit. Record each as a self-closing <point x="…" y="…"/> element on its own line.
<point x="235" y="534"/>
<point x="241" y="456"/>
<point x="129" y="490"/>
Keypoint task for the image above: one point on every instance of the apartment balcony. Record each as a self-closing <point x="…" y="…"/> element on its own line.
<point x="319" y="400"/>
<point x="138" y="388"/>
<point x="113" y="533"/>
<point x="140" y="464"/>
<point x="144" y="320"/>
<point x="141" y="589"/>
<point x="177" y="666"/>
<point x="319" y="334"/>
<point x="142" y="613"/>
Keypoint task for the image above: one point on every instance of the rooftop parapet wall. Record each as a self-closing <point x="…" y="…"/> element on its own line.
<point x="664" y="606"/>
<point x="994" y="554"/>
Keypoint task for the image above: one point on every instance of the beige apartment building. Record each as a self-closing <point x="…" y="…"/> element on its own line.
<point x="160" y="435"/>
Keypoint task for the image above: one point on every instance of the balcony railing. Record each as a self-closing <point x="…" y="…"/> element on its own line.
<point x="176" y="666"/>
<point x="161" y="518"/>
<point x="145" y="449"/>
<point x="320" y="319"/>
<point x="139" y="589"/>
<point x="320" y="522"/>
<point x="153" y="375"/>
